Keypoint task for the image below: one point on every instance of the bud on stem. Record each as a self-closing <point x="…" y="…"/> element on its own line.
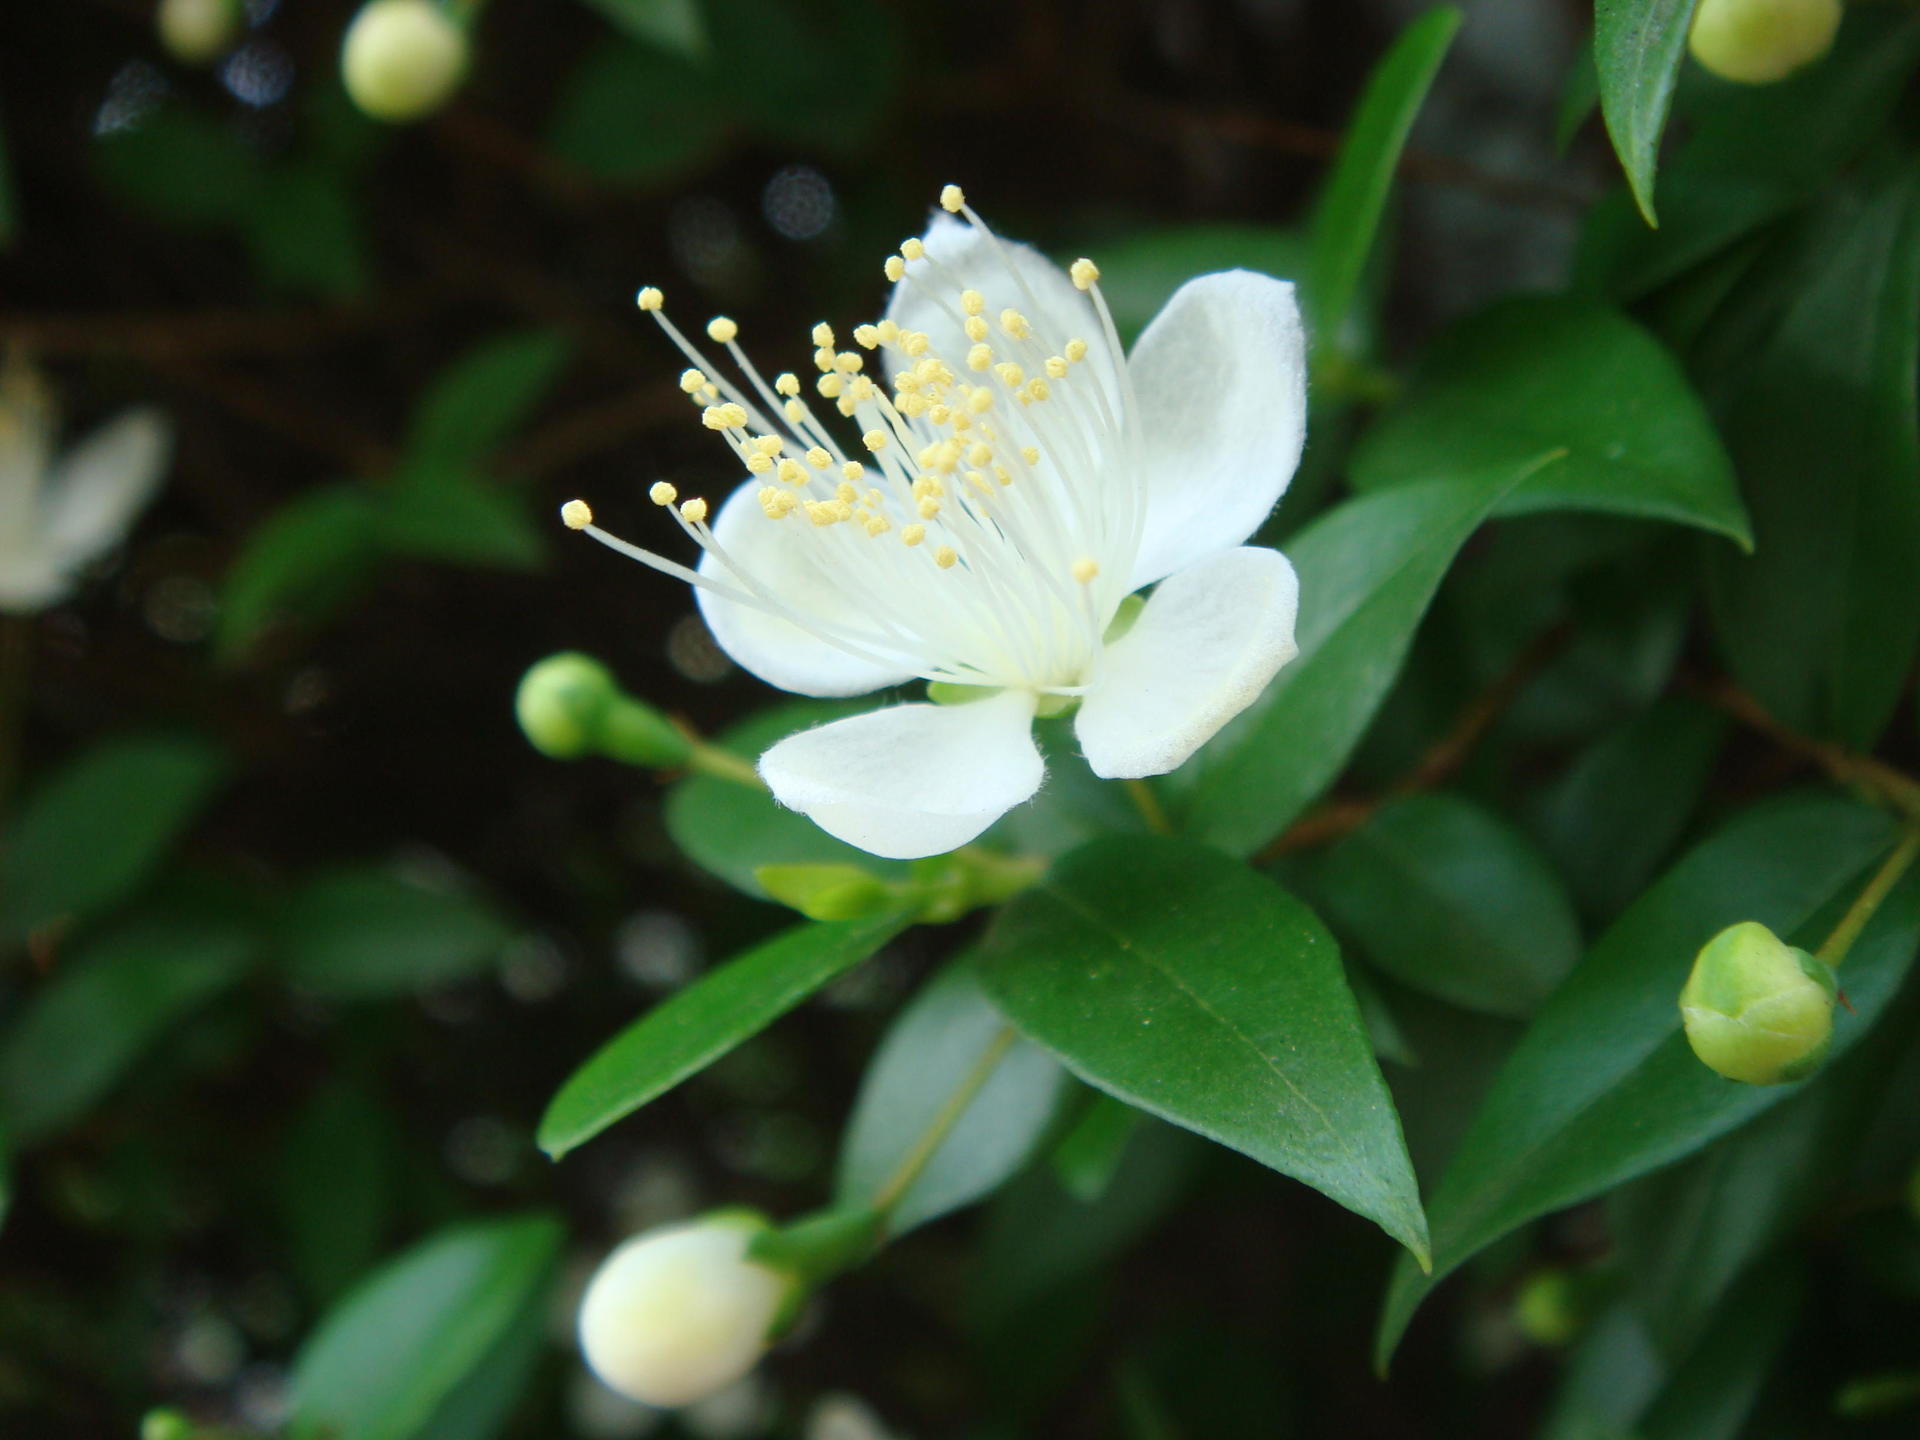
<point x="569" y="706"/>
<point x="1758" y="1010"/>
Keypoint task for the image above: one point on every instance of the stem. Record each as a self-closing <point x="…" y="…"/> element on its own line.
<point x="711" y="760"/>
<point x="1149" y="806"/>
<point x="1891" y="787"/>
<point x="1861" y="911"/>
<point x="964" y="1094"/>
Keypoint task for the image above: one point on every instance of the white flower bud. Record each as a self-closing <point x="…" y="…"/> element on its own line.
<point x="677" y="1314"/>
<point x="198" y="32"/>
<point x="403" y="59"/>
<point x="1759" y="41"/>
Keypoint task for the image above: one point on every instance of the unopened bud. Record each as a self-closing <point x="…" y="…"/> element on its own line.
<point x="676" y="1314"/>
<point x="198" y="32"/>
<point x="1756" y="1009"/>
<point x="1759" y="41"/>
<point x="569" y="705"/>
<point x="1553" y="1306"/>
<point x="167" y="1424"/>
<point x="828" y="892"/>
<point x="403" y="59"/>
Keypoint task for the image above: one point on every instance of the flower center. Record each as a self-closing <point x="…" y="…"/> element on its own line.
<point x="986" y="533"/>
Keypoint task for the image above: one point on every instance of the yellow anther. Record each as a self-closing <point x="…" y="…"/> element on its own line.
<point x="823" y="335"/>
<point x="691" y="381"/>
<point x="980" y="357"/>
<point x="787" y="383"/>
<point x="778" y="504"/>
<point x="979" y="453"/>
<point x="694" y="511"/>
<point x="940" y="414"/>
<point x="878" y="525"/>
<point x="913" y="534"/>
<point x="913" y="250"/>
<point x="1010" y="374"/>
<point x="1056" y="367"/>
<point x="895" y="268"/>
<point x="1038" y="389"/>
<point x="928" y="508"/>
<point x="928" y="487"/>
<point x="850" y="362"/>
<point x="952" y="197"/>
<point x="818" y="458"/>
<point x="976" y="327"/>
<point x="847" y="493"/>
<point x="649" y="299"/>
<point x="914" y="404"/>
<point x="1015" y="324"/>
<point x="978" y="481"/>
<point x="888" y="332"/>
<point x="720" y="330"/>
<point x="768" y="444"/>
<point x="1085" y="273"/>
<point x="824" y="358"/>
<point x="796" y="411"/>
<point x="846" y="405"/>
<point x="914" y="342"/>
<point x="854" y="470"/>
<point x="945" y="557"/>
<point x="792" y="472"/>
<point x="724" y="417"/>
<point x="710" y="392"/>
<point x="832" y="385"/>
<point x="875" y="440"/>
<point x="980" y="401"/>
<point x="1076" y="351"/>
<point x="906" y="380"/>
<point x="1000" y="474"/>
<point x="866" y="336"/>
<point x="1030" y="454"/>
<point x="873" y="498"/>
<point x="662" y="493"/>
<point x="759" y="464"/>
<point x="863" y="389"/>
<point x="973" y="302"/>
<point x="577" y="514"/>
<point x="1084" y="569"/>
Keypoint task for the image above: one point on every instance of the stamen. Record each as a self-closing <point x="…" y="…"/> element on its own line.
<point x="576" y="514"/>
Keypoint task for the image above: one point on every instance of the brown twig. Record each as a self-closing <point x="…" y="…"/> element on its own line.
<point x="190" y="332"/>
<point x="1892" y="786"/>
<point x="591" y="429"/>
<point x="1327" y="822"/>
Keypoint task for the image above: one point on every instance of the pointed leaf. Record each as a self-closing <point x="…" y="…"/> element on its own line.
<point x="1638" y="46"/>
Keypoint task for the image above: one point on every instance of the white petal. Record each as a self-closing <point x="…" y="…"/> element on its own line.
<point x="911" y="780"/>
<point x="790" y="568"/>
<point x="1205" y="646"/>
<point x="1008" y="276"/>
<point x="29" y="583"/>
<point x="1221" y="377"/>
<point x="99" y="487"/>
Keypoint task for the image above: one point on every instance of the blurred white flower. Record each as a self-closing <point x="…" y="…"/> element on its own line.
<point x="1020" y="476"/>
<point x="679" y="1314"/>
<point x="57" y="513"/>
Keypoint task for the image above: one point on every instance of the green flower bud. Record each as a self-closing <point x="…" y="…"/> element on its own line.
<point x="1758" y="1010"/>
<point x="165" y="1425"/>
<point x="569" y="705"/>
<point x="828" y="892"/>
<point x="1759" y="41"/>
<point x="403" y="59"/>
<point x="1553" y="1307"/>
<point x="198" y="32"/>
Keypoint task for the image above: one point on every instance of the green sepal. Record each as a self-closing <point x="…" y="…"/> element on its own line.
<point x="945" y="692"/>
<point x="829" y="892"/>
<point x="814" y="1249"/>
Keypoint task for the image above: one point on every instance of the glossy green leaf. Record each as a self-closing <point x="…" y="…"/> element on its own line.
<point x="1603" y="1087"/>
<point x="100" y="825"/>
<point x="1140" y="270"/>
<point x="691" y="1029"/>
<point x="1347" y="218"/>
<point x="1367" y="573"/>
<point x="1089" y="1154"/>
<point x="949" y="1053"/>
<point x="1542" y="373"/>
<point x="447" y="512"/>
<point x="673" y="25"/>
<point x="110" y="1001"/>
<point x="634" y="114"/>
<point x="385" y="1360"/>
<point x="731" y="830"/>
<point x="1579" y="95"/>
<point x="1451" y="900"/>
<point x="1133" y="951"/>
<point x="299" y="568"/>
<point x="1711" y="1394"/>
<point x="365" y="932"/>
<point x="1621" y="806"/>
<point x="1638" y="46"/>
<point x="484" y="396"/>
<point x="1820" y="623"/>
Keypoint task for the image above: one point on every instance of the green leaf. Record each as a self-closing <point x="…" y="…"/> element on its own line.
<point x="443" y="511"/>
<point x="366" y="932"/>
<point x="1451" y="900"/>
<point x="384" y="1361"/>
<point x="108" y="1003"/>
<point x="807" y="72"/>
<point x="1367" y="573"/>
<point x="1711" y="1394"/>
<point x="1617" y="812"/>
<point x="94" y="831"/>
<point x="306" y="234"/>
<point x="1140" y="271"/>
<point x="672" y="25"/>
<point x="480" y="399"/>
<point x="183" y="168"/>
<point x="949" y="1048"/>
<point x="1638" y="46"/>
<point x="1089" y="1154"/>
<point x="1578" y="97"/>
<point x="1820" y="622"/>
<point x="1603" y="1088"/>
<point x="334" y="1184"/>
<point x="691" y="1029"/>
<point x="630" y="113"/>
<point x="1186" y="985"/>
<point x="1541" y="373"/>
<point x="1347" y="217"/>
<point x="299" y="568"/>
<point x="730" y="830"/>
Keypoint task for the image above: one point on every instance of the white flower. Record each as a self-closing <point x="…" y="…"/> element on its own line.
<point x="1018" y="478"/>
<point x="678" y="1314"/>
<point x="56" y="515"/>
